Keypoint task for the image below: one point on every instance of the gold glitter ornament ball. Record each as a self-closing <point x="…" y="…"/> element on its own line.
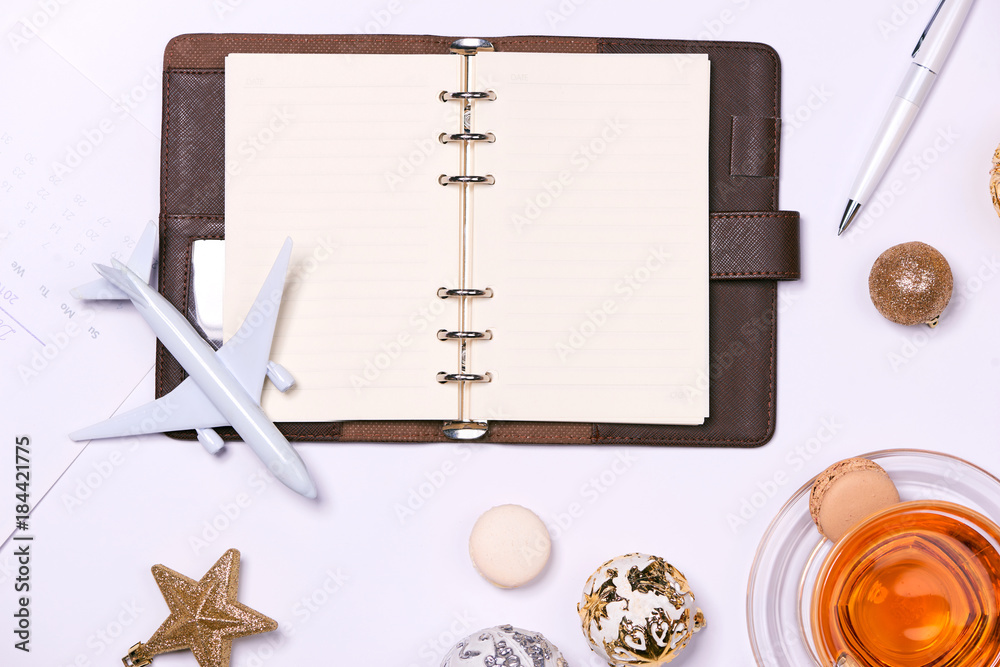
<point x="911" y="283"/>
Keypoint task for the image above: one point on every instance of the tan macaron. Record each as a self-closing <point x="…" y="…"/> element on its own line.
<point x="509" y="545"/>
<point x="847" y="492"/>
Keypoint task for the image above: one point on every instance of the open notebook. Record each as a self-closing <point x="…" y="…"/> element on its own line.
<point x="586" y="241"/>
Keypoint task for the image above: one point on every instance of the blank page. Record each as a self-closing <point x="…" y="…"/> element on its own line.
<point x="594" y="238"/>
<point x="340" y="152"/>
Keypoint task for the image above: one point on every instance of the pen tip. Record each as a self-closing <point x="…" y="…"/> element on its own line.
<point x="852" y="210"/>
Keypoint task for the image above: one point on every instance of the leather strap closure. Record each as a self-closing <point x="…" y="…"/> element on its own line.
<point x="761" y="245"/>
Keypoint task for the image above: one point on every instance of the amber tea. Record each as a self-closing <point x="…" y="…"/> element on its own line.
<point x="915" y="585"/>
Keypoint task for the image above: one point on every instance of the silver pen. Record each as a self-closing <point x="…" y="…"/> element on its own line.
<point x="928" y="57"/>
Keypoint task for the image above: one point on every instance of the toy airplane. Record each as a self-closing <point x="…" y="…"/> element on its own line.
<point x="223" y="387"/>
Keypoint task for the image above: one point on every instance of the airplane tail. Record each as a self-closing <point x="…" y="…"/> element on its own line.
<point x="142" y="262"/>
<point x="120" y="278"/>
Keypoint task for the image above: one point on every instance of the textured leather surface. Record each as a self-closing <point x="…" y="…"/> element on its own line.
<point x="754" y="146"/>
<point x="753" y="244"/>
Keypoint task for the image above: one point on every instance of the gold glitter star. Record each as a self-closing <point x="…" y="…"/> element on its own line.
<point x="204" y="615"/>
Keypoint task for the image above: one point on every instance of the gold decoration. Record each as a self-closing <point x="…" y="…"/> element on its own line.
<point x="642" y="618"/>
<point x="594" y="606"/>
<point x="995" y="180"/>
<point x="205" y="616"/>
<point x="911" y="283"/>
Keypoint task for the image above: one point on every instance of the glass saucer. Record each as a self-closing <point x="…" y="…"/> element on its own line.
<point x="792" y="550"/>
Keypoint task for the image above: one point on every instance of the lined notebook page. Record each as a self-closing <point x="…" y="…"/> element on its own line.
<point x="594" y="238"/>
<point x="341" y="153"/>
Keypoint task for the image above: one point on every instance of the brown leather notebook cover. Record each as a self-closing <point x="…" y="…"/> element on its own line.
<point x="753" y="244"/>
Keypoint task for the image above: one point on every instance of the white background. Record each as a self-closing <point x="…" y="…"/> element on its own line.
<point x="350" y="578"/>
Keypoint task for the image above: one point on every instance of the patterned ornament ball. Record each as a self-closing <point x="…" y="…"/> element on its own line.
<point x="504" y="646"/>
<point x="638" y="610"/>
<point x="911" y="283"/>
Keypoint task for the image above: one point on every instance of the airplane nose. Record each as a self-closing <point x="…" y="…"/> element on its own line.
<point x="293" y="474"/>
<point x="310" y="491"/>
<point x="304" y="486"/>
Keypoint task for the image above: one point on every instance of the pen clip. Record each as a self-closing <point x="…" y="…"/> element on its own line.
<point x="927" y="29"/>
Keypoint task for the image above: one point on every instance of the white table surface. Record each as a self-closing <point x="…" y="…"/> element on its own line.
<point x="354" y="579"/>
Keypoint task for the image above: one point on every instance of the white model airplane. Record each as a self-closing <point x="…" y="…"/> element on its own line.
<point x="223" y="386"/>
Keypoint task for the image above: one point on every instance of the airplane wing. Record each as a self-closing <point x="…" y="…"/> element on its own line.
<point x="246" y="353"/>
<point x="186" y="407"/>
<point x="141" y="262"/>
